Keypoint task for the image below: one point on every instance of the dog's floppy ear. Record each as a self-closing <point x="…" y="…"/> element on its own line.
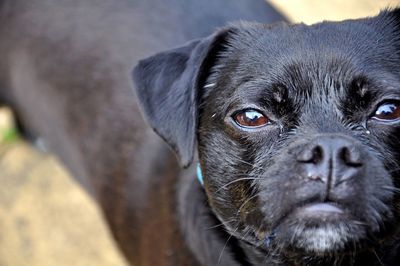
<point x="167" y="86"/>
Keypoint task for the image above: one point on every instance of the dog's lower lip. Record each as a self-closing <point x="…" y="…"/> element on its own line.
<point x="320" y="208"/>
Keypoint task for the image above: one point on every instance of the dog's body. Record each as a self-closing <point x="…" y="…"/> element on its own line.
<point x="297" y="135"/>
<point x="65" y="71"/>
<point x="296" y="126"/>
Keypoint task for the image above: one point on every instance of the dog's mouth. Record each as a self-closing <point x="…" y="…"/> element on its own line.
<point x="313" y="227"/>
<point x="321" y="211"/>
<point x="316" y="227"/>
<point x="321" y="229"/>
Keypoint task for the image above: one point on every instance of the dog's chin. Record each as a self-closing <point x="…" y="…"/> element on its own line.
<point x="322" y="240"/>
<point x="320" y="229"/>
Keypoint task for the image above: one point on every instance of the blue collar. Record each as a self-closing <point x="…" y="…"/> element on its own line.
<point x="199" y="175"/>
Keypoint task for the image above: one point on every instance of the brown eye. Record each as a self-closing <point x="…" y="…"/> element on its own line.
<point x="250" y="119"/>
<point x="388" y="111"/>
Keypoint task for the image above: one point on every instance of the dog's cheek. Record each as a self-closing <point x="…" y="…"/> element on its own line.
<point x="386" y="144"/>
<point x="392" y="162"/>
<point x="219" y="160"/>
<point x="227" y="167"/>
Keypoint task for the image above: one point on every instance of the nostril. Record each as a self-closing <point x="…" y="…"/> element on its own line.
<point x="317" y="154"/>
<point x="350" y="156"/>
<point x="313" y="155"/>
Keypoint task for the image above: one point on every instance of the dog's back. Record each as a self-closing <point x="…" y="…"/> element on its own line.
<point x="65" y="70"/>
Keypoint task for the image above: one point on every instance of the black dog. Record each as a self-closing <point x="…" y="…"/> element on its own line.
<point x="297" y="129"/>
<point x="66" y="72"/>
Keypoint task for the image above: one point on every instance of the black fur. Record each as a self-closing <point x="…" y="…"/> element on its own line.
<point x="170" y="80"/>
<point x="320" y="86"/>
<point x="66" y="72"/>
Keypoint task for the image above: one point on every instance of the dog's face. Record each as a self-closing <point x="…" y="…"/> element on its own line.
<point x="298" y="130"/>
<point x="298" y="137"/>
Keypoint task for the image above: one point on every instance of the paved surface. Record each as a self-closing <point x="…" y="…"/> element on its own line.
<point x="311" y="11"/>
<point x="46" y="218"/>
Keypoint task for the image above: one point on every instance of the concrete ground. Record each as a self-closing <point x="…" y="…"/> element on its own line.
<point x="47" y="219"/>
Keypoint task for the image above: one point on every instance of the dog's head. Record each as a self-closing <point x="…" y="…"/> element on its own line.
<point x="297" y="129"/>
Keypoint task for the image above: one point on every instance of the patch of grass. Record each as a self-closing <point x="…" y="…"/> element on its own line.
<point x="9" y="135"/>
<point x="8" y="130"/>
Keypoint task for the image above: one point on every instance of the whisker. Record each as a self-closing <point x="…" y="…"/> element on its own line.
<point x="394" y="170"/>
<point x="221" y="224"/>
<point x="392" y="189"/>
<point x="225" y="245"/>
<point x="250" y="164"/>
<point x="237" y="180"/>
<point x="376" y="255"/>
<point x="244" y="203"/>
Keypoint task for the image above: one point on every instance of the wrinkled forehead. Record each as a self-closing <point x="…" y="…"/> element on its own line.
<point x="358" y="41"/>
<point x="319" y="62"/>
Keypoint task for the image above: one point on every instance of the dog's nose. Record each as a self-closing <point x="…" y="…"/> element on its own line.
<point x="330" y="159"/>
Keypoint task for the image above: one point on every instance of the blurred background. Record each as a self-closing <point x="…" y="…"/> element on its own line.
<point x="47" y="219"/>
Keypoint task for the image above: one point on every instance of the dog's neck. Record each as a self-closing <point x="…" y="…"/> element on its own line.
<point x="204" y="234"/>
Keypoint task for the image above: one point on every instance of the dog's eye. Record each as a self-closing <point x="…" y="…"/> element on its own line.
<point x="388" y="111"/>
<point x="250" y="118"/>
